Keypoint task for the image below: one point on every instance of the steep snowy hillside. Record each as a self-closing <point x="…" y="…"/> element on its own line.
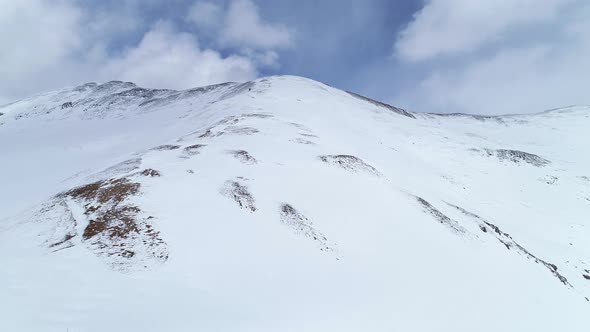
<point x="283" y="204"/>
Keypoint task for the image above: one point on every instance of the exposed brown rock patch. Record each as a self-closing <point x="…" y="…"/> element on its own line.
<point x="115" y="227"/>
<point x="106" y="191"/>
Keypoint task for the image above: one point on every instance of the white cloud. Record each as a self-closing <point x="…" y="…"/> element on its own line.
<point x="243" y="27"/>
<point x="534" y="59"/>
<point x="49" y="44"/>
<point x="167" y="58"/>
<point x="205" y="14"/>
<point x="266" y="59"/>
<point x="35" y="35"/>
<point x="240" y="27"/>
<point x="448" y="27"/>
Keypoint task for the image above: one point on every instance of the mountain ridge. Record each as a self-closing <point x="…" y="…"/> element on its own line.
<point x="130" y="87"/>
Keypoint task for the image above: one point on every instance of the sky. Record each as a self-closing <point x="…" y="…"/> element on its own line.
<point x="481" y="57"/>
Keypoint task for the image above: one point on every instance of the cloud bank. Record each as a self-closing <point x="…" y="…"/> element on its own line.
<point x="51" y="44"/>
<point x="487" y="56"/>
<point x="496" y="57"/>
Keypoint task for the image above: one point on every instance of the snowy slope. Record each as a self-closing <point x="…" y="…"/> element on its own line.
<point x="283" y="204"/>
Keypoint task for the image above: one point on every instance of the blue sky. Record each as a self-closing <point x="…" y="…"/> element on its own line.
<point x="487" y="56"/>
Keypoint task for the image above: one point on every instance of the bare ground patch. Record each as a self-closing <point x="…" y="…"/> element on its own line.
<point x="350" y="163"/>
<point x="192" y="150"/>
<point x="549" y="179"/>
<point x="303" y="226"/>
<point x="151" y="172"/>
<point x="243" y="156"/>
<point x="240" y="194"/>
<point x="210" y="133"/>
<point x="441" y="217"/>
<point x="510" y="243"/>
<point x="515" y="157"/>
<point x="165" y="147"/>
<point x="257" y="115"/>
<point x="229" y="130"/>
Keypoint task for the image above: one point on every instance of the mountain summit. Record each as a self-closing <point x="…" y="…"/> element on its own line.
<point x="283" y="204"/>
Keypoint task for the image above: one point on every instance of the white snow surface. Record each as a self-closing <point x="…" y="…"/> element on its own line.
<point x="284" y="204"/>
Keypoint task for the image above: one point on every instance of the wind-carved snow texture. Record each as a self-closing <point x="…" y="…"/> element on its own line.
<point x="239" y="193"/>
<point x="303" y="226"/>
<point x="116" y="230"/>
<point x="57" y="213"/>
<point x="477" y="117"/>
<point x="301" y="127"/>
<point x="308" y="135"/>
<point x="209" y="133"/>
<point x="384" y="105"/>
<point x="350" y="163"/>
<point x="241" y="130"/>
<point x="510" y="243"/>
<point x="517" y="157"/>
<point x="229" y="125"/>
<point x="302" y="141"/>
<point x="549" y="179"/>
<point x="119" y="169"/>
<point x="243" y="156"/>
<point x="441" y="217"/>
<point x="229" y="130"/>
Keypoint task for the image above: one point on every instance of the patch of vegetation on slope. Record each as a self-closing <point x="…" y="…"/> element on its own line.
<point x="116" y="229"/>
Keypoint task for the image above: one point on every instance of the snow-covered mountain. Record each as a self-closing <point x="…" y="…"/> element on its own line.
<point x="283" y="204"/>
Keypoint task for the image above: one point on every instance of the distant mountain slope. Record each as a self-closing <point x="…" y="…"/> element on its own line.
<point x="284" y="204"/>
